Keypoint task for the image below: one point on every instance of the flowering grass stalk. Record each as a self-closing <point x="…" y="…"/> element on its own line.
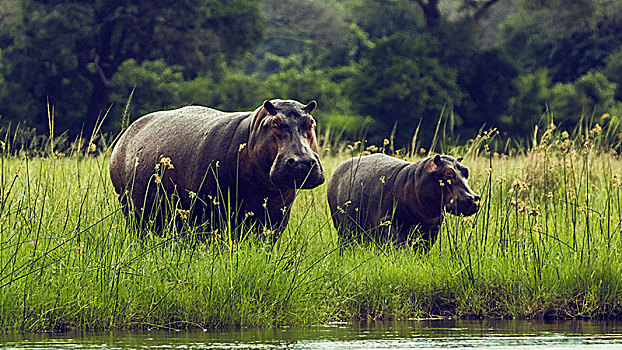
<point x="546" y="243"/>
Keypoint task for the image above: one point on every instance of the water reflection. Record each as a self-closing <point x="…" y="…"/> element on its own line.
<point x="431" y="334"/>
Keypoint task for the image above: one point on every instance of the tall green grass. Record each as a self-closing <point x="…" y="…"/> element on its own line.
<point x="547" y="243"/>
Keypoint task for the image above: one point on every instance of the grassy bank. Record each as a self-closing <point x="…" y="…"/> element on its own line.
<point x="546" y="243"/>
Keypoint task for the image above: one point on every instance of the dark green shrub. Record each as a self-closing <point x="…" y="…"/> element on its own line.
<point x="156" y="86"/>
<point x="401" y="81"/>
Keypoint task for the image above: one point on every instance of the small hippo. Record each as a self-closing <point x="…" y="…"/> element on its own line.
<point x="387" y="198"/>
<point x="217" y="168"/>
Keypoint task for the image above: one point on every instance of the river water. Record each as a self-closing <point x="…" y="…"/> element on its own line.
<point x="426" y="334"/>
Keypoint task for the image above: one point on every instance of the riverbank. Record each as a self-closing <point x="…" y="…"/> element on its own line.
<point x="546" y="244"/>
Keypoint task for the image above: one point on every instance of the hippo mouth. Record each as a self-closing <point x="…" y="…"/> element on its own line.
<point x="297" y="175"/>
<point x="462" y="207"/>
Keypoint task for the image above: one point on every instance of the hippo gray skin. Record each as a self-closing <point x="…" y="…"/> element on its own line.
<point x="381" y="197"/>
<point x="216" y="168"/>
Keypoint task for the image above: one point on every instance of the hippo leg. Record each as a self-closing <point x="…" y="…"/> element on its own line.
<point x="423" y="238"/>
<point x="349" y="235"/>
<point x="399" y="235"/>
<point x="393" y="231"/>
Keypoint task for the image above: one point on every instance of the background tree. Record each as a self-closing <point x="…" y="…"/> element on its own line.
<point x="502" y="63"/>
<point x="68" y="51"/>
<point x="488" y="81"/>
<point x="159" y="86"/>
<point x="565" y="53"/>
<point x="291" y="25"/>
<point x="400" y="81"/>
<point x="473" y="10"/>
<point x="569" y="38"/>
<point x="382" y="18"/>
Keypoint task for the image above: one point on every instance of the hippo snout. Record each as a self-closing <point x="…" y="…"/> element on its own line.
<point x="468" y="204"/>
<point x="300" y="164"/>
<point x="297" y="172"/>
<point x="465" y="204"/>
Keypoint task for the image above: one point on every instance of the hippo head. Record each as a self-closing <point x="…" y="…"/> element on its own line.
<point x="451" y="175"/>
<point x="284" y="145"/>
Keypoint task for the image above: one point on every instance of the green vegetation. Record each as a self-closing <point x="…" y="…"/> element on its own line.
<point x="397" y="63"/>
<point x="427" y="75"/>
<point x="546" y="243"/>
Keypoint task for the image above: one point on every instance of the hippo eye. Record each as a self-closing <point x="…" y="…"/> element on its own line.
<point x="449" y="173"/>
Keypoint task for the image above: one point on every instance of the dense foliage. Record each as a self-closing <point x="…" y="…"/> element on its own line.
<point x="400" y="64"/>
<point x="67" y="52"/>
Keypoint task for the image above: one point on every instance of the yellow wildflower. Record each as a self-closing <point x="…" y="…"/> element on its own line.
<point x="597" y="129"/>
<point x="166" y="161"/>
<point x="183" y="213"/>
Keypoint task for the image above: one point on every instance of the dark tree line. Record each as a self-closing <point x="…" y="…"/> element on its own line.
<point x="67" y="52"/>
<point x="380" y="66"/>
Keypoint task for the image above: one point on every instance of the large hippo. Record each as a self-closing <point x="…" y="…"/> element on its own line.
<point x="382" y="197"/>
<point x="215" y="168"/>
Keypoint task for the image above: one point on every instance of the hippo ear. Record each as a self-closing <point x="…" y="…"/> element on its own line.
<point x="269" y="107"/>
<point x="310" y="106"/>
<point x="459" y="159"/>
<point x="437" y="160"/>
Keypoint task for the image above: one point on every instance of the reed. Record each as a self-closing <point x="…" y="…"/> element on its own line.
<point x="547" y="243"/>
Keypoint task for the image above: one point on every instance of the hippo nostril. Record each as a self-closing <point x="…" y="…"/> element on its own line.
<point x="311" y="163"/>
<point x="306" y="165"/>
<point x="291" y="162"/>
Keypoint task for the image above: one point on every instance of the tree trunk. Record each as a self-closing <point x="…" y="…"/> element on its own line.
<point x="431" y="13"/>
